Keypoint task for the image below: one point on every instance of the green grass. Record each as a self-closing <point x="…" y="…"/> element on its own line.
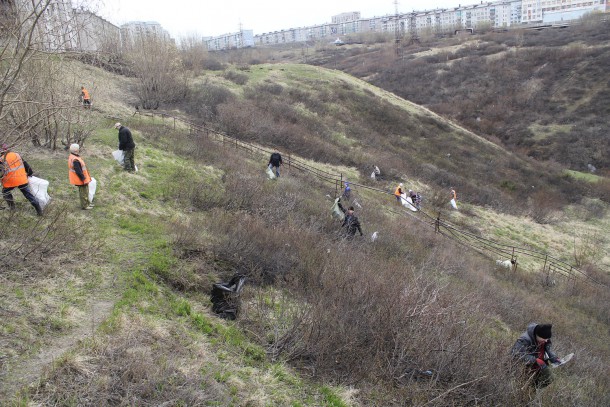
<point x="584" y="176"/>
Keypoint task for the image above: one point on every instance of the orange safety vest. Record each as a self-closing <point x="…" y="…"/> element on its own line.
<point x="398" y="191"/>
<point x="453" y="194"/>
<point x="14" y="171"/>
<point x="74" y="180"/>
<point x="85" y="94"/>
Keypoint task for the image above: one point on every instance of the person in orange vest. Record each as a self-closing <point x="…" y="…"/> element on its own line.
<point x="86" y="98"/>
<point x="14" y="171"/>
<point x="79" y="176"/>
<point x="398" y="192"/>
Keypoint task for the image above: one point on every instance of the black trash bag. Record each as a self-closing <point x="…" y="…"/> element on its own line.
<point x="226" y="297"/>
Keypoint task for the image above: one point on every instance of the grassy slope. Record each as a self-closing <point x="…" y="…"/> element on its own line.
<point x="538" y="92"/>
<point x="159" y="343"/>
<point x="127" y="237"/>
<point x="473" y="160"/>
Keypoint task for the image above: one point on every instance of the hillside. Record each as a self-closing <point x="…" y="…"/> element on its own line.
<point x="542" y="94"/>
<point x="111" y="306"/>
<point x="335" y="118"/>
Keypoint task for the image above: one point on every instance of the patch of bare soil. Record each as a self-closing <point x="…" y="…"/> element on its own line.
<point x="28" y="371"/>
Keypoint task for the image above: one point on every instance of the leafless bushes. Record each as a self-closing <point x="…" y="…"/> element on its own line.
<point x="157" y="66"/>
<point x="543" y="206"/>
<point x="36" y="102"/>
<point x="236" y="77"/>
<point x="27" y="246"/>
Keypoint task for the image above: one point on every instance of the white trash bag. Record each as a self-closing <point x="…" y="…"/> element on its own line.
<point x="39" y="188"/>
<point x="453" y="204"/>
<point x="92" y="189"/>
<point x="270" y="173"/>
<point x="407" y="202"/>
<point x="119" y="156"/>
<point x="336" y="212"/>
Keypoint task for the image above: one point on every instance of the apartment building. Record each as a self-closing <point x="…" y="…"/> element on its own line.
<point x="491" y="14"/>
<point x="135" y="31"/>
<point x="240" y="39"/>
<point x="345" y="17"/>
<point x="552" y="11"/>
<point x="94" y="33"/>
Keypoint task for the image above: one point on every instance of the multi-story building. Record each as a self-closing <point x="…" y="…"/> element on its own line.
<point x="95" y="34"/>
<point x="551" y="11"/>
<point x="135" y="31"/>
<point x="493" y="14"/>
<point x="345" y="17"/>
<point x="51" y="19"/>
<point x="240" y="39"/>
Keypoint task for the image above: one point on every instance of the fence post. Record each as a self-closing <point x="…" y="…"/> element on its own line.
<point x="513" y="260"/>
<point x="437" y="223"/>
<point x="544" y="266"/>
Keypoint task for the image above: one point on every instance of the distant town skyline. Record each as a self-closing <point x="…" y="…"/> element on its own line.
<point x="183" y="18"/>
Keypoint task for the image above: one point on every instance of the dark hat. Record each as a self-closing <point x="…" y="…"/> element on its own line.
<point x="543" y="331"/>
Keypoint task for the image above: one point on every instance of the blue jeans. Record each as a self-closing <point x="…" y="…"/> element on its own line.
<point x="25" y="190"/>
<point x="277" y="169"/>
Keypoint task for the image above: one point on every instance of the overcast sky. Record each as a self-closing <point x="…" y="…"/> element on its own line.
<point x="208" y="18"/>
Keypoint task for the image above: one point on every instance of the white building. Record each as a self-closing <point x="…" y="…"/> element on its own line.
<point x="95" y="34"/>
<point x="553" y="11"/>
<point x="141" y="30"/>
<point x="241" y="39"/>
<point x="492" y="14"/>
<point x="345" y="17"/>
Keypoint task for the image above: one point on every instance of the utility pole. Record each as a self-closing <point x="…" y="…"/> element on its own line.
<point x="240" y="39"/>
<point x="397" y="33"/>
<point x="413" y="28"/>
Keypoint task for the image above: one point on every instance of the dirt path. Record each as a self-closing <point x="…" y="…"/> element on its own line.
<point x="29" y="370"/>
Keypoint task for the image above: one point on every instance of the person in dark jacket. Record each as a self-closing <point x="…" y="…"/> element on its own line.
<point x="533" y="348"/>
<point x="351" y="222"/>
<point x="275" y="161"/>
<point x="14" y="173"/>
<point x="126" y="145"/>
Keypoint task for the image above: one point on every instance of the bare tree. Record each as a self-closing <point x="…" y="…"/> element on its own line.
<point x="193" y="52"/>
<point x="34" y="98"/>
<point x="156" y="63"/>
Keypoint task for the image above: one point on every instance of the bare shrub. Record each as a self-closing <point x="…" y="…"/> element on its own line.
<point x="203" y="102"/>
<point x="26" y="245"/>
<point x="236" y="77"/>
<point x="588" y="249"/>
<point x="543" y="205"/>
<point x="156" y="64"/>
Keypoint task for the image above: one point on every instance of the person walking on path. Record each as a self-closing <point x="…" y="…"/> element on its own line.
<point x="351" y="222"/>
<point x="534" y="349"/>
<point x="79" y="176"/>
<point x="86" y="98"/>
<point x="15" y="171"/>
<point x="275" y="161"/>
<point x="347" y="192"/>
<point x="126" y="145"/>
